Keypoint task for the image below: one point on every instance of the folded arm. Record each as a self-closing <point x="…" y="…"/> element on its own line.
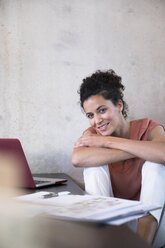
<point x="152" y="150"/>
<point x="96" y="156"/>
<point x="95" y="150"/>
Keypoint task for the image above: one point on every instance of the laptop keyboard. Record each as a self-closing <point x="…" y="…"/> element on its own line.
<point x="40" y="181"/>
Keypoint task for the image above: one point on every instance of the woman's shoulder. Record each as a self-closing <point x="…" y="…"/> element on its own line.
<point x="140" y="127"/>
<point x="143" y="123"/>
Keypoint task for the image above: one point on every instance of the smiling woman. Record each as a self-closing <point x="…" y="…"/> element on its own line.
<point x="117" y="155"/>
<point x="103" y="115"/>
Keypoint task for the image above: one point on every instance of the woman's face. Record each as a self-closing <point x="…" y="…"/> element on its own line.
<point x="103" y="115"/>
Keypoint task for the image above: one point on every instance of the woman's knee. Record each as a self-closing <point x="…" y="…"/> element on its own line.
<point x="153" y="172"/>
<point x="153" y="186"/>
<point x="97" y="180"/>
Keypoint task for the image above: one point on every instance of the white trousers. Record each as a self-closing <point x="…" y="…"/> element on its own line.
<point x="97" y="182"/>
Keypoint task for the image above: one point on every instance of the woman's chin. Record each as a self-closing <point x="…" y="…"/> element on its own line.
<point x="106" y="133"/>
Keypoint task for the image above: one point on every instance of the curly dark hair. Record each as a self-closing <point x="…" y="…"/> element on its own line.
<point x="105" y="83"/>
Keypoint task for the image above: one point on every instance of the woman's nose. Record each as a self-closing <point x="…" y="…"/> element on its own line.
<point x="98" y="119"/>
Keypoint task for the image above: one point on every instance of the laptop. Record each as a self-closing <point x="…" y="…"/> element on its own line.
<point x="12" y="148"/>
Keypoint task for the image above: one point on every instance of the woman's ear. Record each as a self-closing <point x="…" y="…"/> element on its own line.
<point x="120" y="105"/>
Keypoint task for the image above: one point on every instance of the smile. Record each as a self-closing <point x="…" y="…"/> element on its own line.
<point x="103" y="127"/>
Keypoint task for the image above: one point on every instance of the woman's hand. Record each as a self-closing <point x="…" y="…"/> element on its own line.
<point x="90" y="130"/>
<point x="90" y="140"/>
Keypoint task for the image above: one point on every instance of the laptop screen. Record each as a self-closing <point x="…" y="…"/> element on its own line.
<point x="12" y="157"/>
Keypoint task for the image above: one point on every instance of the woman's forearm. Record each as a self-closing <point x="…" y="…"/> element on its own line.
<point x="96" y="156"/>
<point x="95" y="150"/>
<point x="153" y="151"/>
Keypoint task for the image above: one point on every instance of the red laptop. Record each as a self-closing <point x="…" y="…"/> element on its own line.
<point x="13" y="148"/>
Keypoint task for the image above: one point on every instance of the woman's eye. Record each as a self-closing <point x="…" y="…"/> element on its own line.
<point x="102" y="110"/>
<point x="90" y="116"/>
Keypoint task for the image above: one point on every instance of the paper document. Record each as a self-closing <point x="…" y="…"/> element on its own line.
<point x="87" y="207"/>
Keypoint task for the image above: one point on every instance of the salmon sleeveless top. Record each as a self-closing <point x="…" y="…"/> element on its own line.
<point x="126" y="175"/>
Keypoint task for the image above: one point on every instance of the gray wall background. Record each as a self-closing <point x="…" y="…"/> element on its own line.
<point x="48" y="46"/>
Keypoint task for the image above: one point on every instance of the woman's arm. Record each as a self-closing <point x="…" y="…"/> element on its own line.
<point x="95" y="150"/>
<point x="152" y="150"/>
<point x="97" y="156"/>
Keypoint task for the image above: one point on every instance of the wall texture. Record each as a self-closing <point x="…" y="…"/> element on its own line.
<point x="47" y="47"/>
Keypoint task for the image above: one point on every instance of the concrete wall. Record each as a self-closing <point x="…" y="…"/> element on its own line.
<point x="48" y="46"/>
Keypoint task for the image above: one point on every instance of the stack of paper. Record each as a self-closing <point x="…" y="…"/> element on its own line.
<point x="88" y="207"/>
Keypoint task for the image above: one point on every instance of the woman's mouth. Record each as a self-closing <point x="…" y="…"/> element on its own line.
<point x="103" y="127"/>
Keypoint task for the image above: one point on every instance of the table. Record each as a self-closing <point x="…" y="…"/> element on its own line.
<point x="70" y="185"/>
<point x="58" y="233"/>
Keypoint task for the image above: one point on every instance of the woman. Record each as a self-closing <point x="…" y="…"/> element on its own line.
<point x="121" y="158"/>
